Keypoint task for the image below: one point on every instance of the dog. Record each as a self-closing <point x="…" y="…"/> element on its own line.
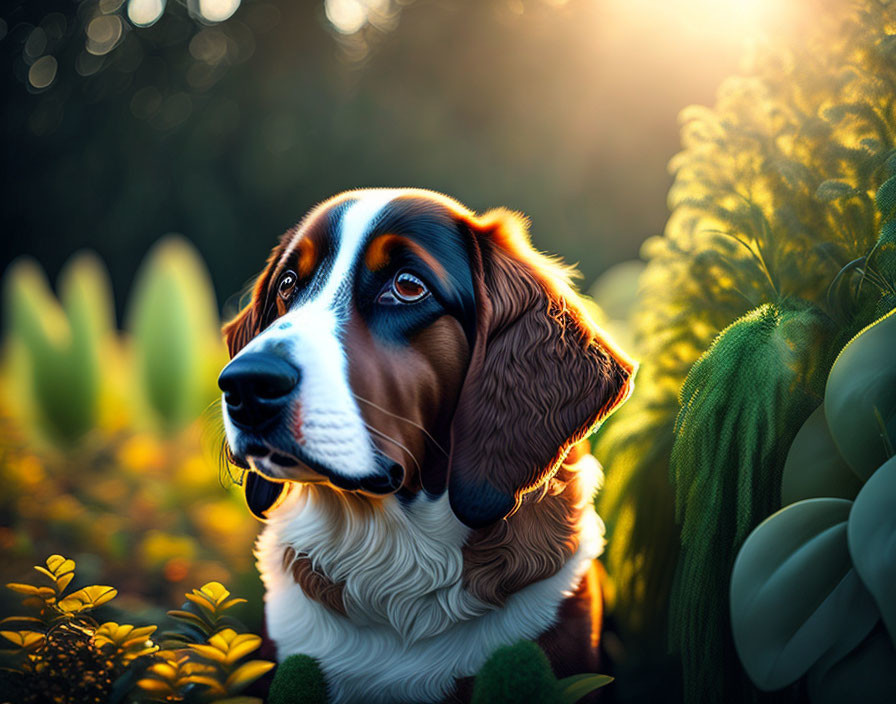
<point x="411" y="385"/>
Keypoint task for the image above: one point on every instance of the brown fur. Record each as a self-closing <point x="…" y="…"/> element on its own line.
<point x="315" y="585"/>
<point x="407" y="394"/>
<point x="541" y="376"/>
<point x="531" y="545"/>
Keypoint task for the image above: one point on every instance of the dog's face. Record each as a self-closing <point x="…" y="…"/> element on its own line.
<point x="397" y="343"/>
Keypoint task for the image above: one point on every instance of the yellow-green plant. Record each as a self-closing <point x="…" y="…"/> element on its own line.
<point x="173" y="320"/>
<point x="57" y="347"/>
<point x="780" y="197"/>
<point x="205" y="661"/>
<point x="60" y="652"/>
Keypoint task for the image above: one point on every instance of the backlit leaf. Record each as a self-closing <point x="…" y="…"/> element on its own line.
<point x="575" y="687"/>
<point x="87" y="598"/>
<point x="24" y="639"/>
<point x="247" y="673"/>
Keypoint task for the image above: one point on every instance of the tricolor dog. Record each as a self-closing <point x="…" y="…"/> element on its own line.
<point x="409" y="385"/>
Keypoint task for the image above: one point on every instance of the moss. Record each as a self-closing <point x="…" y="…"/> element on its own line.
<point x="516" y="673"/>
<point x="298" y="680"/>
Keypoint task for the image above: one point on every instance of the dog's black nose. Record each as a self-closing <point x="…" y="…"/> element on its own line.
<point x="256" y="387"/>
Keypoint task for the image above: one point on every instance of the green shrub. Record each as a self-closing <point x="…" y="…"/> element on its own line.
<point x="781" y="194"/>
<point x="58" y="348"/>
<point x="298" y="680"/>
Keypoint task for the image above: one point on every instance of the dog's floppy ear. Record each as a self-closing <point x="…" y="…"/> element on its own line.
<point x="541" y="376"/>
<point x="260" y="493"/>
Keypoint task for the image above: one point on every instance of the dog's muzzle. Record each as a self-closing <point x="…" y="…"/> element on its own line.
<point x="259" y="389"/>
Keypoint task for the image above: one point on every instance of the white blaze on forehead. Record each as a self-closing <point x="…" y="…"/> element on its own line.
<point x="357" y="221"/>
<point x="328" y="425"/>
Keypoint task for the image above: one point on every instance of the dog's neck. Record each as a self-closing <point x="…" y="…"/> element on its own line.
<point x="415" y="567"/>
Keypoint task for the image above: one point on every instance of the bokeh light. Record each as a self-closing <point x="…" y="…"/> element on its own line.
<point x="103" y="34"/>
<point x="144" y="13"/>
<point x="42" y="72"/>
<point x="217" y="10"/>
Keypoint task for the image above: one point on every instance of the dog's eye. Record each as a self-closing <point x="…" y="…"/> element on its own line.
<point x="286" y="284"/>
<point x="404" y="288"/>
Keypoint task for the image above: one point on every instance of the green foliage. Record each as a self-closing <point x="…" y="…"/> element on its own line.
<point x="516" y="673"/>
<point x="795" y="594"/>
<point x="519" y="673"/>
<point x="872" y="541"/>
<point x="814" y="467"/>
<point x="814" y="584"/>
<point x="298" y="680"/>
<point x="173" y="319"/>
<point x="741" y="406"/>
<point x="57" y="348"/>
<point x="782" y="193"/>
<point x="859" y="401"/>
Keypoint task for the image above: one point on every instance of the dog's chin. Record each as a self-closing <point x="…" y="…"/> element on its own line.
<point x="284" y="468"/>
<point x="277" y="464"/>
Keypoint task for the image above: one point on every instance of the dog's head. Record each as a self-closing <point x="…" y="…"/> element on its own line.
<point x="397" y="343"/>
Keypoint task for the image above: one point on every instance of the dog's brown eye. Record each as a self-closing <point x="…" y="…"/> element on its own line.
<point x="405" y="288"/>
<point x="286" y="284"/>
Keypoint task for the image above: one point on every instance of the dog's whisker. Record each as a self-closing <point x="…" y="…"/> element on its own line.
<point x="395" y="442"/>
<point x="406" y="420"/>
<point x="214" y="442"/>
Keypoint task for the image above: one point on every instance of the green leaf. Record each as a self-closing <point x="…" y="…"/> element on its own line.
<point x="814" y="467"/>
<point x="860" y="397"/>
<point x="575" y="687"/>
<point x="872" y="540"/>
<point x="192" y="619"/>
<point x="59" y="345"/>
<point x="866" y="673"/>
<point x="794" y="594"/>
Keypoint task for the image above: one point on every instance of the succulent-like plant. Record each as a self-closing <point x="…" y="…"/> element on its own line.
<point x="813" y="590"/>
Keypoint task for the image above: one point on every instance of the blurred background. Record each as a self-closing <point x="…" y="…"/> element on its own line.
<point x="155" y="151"/>
<point x="226" y="121"/>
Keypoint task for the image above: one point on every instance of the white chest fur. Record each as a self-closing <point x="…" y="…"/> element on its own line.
<point x="410" y="628"/>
